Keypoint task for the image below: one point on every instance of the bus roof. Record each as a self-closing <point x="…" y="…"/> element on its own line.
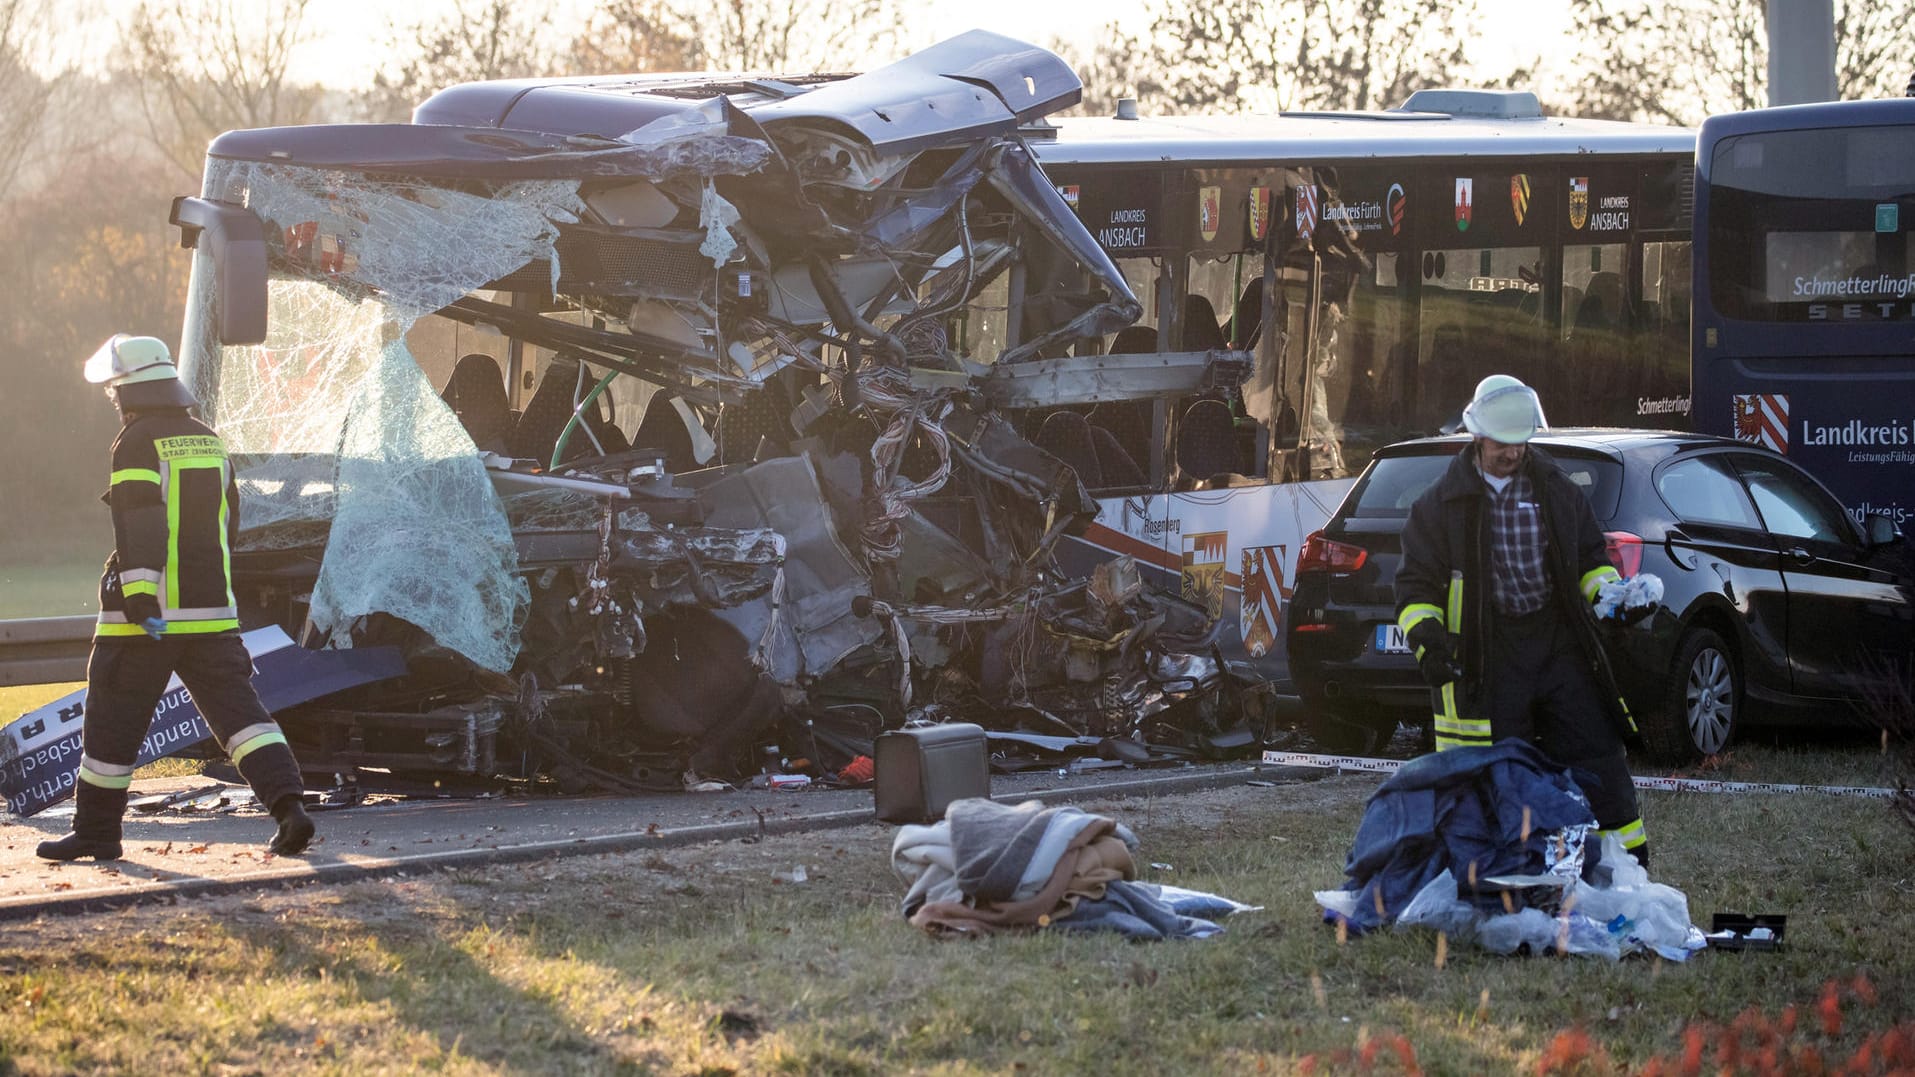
<point x="1886" y="110"/>
<point x="1345" y="136"/>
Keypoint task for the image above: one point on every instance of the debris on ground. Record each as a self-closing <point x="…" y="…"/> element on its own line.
<point x="989" y="867"/>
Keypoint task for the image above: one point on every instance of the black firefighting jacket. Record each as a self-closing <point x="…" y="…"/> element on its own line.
<point x="1445" y="574"/>
<point x="175" y="519"/>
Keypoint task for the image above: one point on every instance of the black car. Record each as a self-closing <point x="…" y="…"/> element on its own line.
<point x="1774" y="595"/>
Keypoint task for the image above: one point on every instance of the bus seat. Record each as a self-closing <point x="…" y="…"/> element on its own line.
<point x="1119" y="468"/>
<point x="1067" y="436"/>
<point x="1601" y="305"/>
<point x="1206" y="443"/>
<point x="1201" y="332"/>
<point x="1249" y="315"/>
<point x="545" y="418"/>
<point x="476" y="394"/>
<point x="761" y="417"/>
<point x="663" y="431"/>
<point x="1127" y="422"/>
<point x="1134" y="340"/>
<point x="547" y="413"/>
<point x="1447" y="382"/>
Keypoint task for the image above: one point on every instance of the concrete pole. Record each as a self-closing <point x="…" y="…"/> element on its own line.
<point x="1801" y="51"/>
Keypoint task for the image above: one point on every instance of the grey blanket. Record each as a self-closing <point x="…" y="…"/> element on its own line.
<point x="986" y="851"/>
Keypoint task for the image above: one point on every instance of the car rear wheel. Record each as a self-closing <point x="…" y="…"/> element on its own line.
<point x="1702" y="703"/>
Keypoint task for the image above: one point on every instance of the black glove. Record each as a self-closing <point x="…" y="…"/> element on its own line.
<point x="1629" y="615"/>
<point x="141" y="608"/>
<point x="1432" y="646"/>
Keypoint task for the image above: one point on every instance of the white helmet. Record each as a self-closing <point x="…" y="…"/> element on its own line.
<point x="1504" y="410"/>
<point x="138" y="373"/>
<point x="124" y="360"/>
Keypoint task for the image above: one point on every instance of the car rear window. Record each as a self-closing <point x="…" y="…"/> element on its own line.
<point x="1394" y="483"/>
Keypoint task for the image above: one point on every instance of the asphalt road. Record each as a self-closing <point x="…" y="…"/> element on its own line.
<point x="174" y="853"/>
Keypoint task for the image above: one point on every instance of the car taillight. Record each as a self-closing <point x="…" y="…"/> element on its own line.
<point x="1625" y="551"/>
<point x="1328" y="555"/>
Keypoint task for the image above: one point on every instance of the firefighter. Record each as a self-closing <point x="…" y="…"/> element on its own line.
<point x="1502" y="564"/>
<point x="167" y="607"/>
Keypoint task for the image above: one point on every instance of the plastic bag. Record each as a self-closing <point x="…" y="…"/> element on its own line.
<point x="1640" y="591"/>
<point x="1643" y="914"/>
<point x="1438" y="907"/>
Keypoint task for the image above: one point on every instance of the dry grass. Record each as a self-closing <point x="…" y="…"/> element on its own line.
<point x="695" y="961"/>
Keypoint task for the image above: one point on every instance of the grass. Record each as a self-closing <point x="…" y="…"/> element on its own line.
<point x="694" y="961"/>
<point x="49" y="588"/>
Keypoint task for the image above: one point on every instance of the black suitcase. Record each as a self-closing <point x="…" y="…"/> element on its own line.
<point x="920" y="771"/>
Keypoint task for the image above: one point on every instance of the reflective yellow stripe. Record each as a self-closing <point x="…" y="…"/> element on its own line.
<point x="1626" y="716"/>
<point x="171" y="491"/>
<point x="139" y="587"/>
<point x="176" y="628"/>
<point x="1595" y="578"/>
<point x="134" y="474"/>
<point x="1454" y="731"/>
<point x="255" y="743"/>
<point x="1632" y="833"/>
<point x="104" y="780"/>
<point x="225" y="549"/>
<point x="1456" y="602"/>
<point x="1416" y="613"/>
<point x="173" y="628"/>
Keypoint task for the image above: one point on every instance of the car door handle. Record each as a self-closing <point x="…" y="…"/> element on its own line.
<point x="1800" y="556"/>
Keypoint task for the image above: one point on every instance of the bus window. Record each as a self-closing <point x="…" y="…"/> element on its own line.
<point x="1662" y="337"/>
<point x="1595" y="333"/>
<point x="1480" y="314"/>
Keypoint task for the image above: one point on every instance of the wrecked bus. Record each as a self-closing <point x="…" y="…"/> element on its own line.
<point x="664" y="422"/>
<point x="630" y="412"/>
<point x="1370" y="268"/>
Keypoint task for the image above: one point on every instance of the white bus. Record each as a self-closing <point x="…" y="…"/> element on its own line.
<point x="1399" y="256"/>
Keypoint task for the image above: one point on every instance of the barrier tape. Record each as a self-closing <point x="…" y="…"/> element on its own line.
<point x="1667" y="785"/>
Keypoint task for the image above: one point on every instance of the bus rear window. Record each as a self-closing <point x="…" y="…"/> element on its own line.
<point x="1813" y="225"/>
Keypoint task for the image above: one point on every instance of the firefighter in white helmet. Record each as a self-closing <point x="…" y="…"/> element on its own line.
<point x="167" y="607"/>
<point x="1502" y="562"/>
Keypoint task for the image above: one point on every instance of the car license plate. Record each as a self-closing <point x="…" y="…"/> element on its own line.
<point x="1389" y="640"/>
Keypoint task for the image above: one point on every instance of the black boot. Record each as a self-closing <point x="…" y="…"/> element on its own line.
<point x="1641" y="853"/>
<point x="96" y="826"/>
<point x="295" y="826"/>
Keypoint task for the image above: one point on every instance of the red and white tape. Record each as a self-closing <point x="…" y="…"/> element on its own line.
<point x="1667" y="785"/>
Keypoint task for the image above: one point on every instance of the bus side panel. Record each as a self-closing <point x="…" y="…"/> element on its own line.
<point x="1854" y="431"/>
<point x="1232" y="550"/>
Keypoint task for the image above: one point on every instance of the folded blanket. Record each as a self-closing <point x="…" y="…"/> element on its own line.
<point x="989" y="866"/>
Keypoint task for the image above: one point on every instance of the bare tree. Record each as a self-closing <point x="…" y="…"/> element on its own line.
<point x="785" y="36"/>
<point x="206" y="66"/>
<point x="477" y="40"/>
<point x="634" y="37"/>
<point x="1266" y="55"/>
<point x="1677" y="61"/>
<point x="26" y="94"/>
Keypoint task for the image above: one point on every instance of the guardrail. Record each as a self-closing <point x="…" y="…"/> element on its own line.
<point x="44" y="650"/>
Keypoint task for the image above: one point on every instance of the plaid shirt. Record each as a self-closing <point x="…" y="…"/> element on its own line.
<point x="1519" y="582"/>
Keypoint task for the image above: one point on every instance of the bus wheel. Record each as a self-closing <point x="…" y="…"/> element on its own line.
<point x="1701" y="702"/>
